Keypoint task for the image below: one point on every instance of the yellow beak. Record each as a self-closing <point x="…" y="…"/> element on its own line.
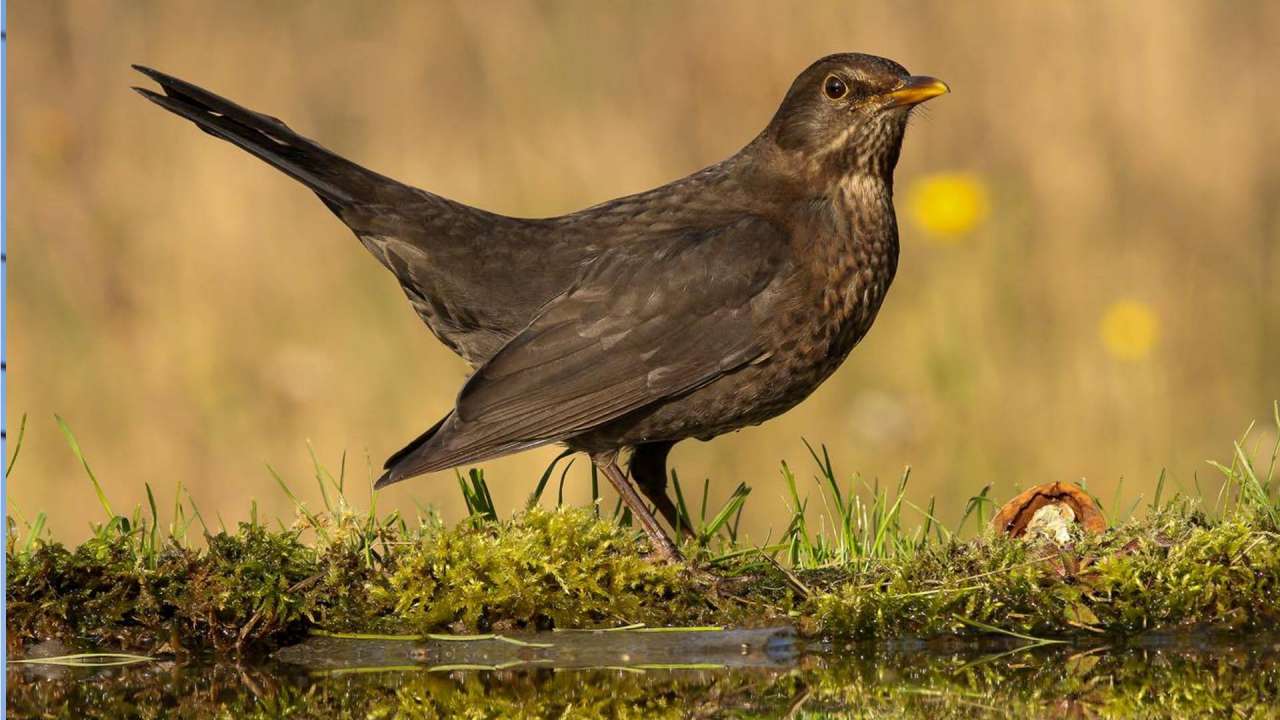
<point x="916" y="90"/>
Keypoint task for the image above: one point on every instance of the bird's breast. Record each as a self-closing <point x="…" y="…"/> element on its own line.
<point x="853" y="258"/>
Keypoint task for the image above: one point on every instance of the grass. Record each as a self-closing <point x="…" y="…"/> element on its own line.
<point x="861" y="571"/>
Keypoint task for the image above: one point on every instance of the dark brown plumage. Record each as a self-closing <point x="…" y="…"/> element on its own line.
<point x="714" y="302"/>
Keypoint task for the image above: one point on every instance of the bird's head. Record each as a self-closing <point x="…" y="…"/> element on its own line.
<point x="846" y="114"/>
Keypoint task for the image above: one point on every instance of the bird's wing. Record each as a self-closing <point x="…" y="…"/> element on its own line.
<point x="646" y="321"/>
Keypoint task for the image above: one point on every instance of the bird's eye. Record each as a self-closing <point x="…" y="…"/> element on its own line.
<point x="834" y="87"/>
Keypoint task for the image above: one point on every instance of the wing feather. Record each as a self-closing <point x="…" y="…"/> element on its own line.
<point x="643" y="324"/>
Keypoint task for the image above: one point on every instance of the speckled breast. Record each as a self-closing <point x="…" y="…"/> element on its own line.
<point x="806" y="345"/>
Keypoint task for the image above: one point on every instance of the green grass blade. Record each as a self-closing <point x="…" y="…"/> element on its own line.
<point x="17" y="446"/>
<point x="75" y="449"/>
<point x="595" y="489"/>
<point x="34" y="536"/>
<point x="877" y="544"/>
<point x="722" y="517"/>
<point x="195" y="510"/>
<point x="178" y="526"/>
<point x="682" y="511"/>
<point x="486" y="498"/>
<point x="1115" y="502"/>
<point x="974" y="506"/>
<point x="475" y="493"/>
<point x="536" y="496"/>
<point x="564" y="475"/>
<point x="1275" y="449"/>
<point x="86" y="660"/>
<point x="320" y="474"/>
<point x="315" y="521"/>
<point x="1010" y="633"/>
<point x="1128" y="515"/>
<point x="342" y="474"/>
<point x="155" y="524"/>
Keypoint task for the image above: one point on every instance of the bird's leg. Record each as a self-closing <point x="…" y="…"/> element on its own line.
<point x="662" y="545"/>
<point x="649" y="471"/>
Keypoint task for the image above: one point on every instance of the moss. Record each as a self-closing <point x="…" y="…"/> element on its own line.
<point x="244" y="588"/>
<point x="544" y="569"/>
<point x="254" y="583"/>
<point x="255" y="589"/>
<point x="1226" y="575"/>
<point x="1170" y="570"/>
<point x="95" y="593"/>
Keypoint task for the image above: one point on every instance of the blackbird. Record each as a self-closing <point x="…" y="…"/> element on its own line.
<point x="714" y="302"/>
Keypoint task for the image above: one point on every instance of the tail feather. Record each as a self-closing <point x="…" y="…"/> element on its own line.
<point x="439" y="449"/>
<point x="339" y="182"/>
<point x="390" y="476"/>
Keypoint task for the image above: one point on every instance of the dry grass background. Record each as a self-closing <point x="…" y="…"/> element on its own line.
<point x="194" y="314"/>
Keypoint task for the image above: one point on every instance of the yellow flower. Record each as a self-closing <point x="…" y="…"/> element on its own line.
<point x="948" y="204"/>
<point x="1129" y="329"/>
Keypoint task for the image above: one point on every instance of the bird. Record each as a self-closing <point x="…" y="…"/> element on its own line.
<point x="709" y="304"/>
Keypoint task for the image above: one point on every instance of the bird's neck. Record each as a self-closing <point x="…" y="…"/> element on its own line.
<point x="847" y="211"/>
<point x="861" y="207"/>
<point x="867" y="200"/>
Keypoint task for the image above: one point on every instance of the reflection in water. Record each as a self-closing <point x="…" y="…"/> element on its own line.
<point x="1187" y="677"/>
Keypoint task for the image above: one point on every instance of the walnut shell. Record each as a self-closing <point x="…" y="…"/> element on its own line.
<point x="1013" y="518"/>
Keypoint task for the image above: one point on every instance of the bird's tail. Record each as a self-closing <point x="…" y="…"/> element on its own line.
<point x="339" y="182"/>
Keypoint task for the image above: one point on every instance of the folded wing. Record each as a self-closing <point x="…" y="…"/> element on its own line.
<point x="647" y="321"/>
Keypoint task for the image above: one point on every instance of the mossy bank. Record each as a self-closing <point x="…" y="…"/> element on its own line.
<point x="131" y="587"/>
<point x="254" y="589"/>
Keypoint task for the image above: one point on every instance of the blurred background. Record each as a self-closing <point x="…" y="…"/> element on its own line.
<point x="1089" y="226"/>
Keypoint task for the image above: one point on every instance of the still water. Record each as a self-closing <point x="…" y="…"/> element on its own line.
<point x="691" y="674"/>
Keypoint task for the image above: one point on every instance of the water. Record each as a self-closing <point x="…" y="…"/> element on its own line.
<point x="702" y="674"/>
